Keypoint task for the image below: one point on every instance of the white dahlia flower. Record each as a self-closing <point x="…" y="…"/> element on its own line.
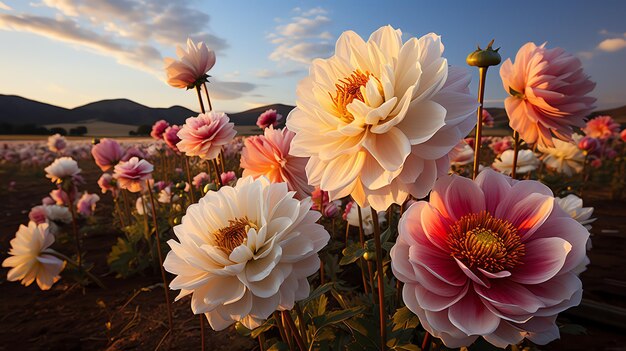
<point x="378" y="118"/>
<point x="564" y="157"/>
<point x="245" y="252"/>
<point x="526" y="162"/>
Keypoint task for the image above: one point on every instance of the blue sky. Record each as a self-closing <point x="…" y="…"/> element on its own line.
<point x="72" y="52"/>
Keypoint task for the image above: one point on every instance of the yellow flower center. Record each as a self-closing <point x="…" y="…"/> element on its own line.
<point x="481" y="241"/>
<point x="349" y="89"/>
<point x="228" y="238"/>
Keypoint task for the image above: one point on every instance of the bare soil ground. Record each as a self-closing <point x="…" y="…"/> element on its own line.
<point x="130" y="313"/>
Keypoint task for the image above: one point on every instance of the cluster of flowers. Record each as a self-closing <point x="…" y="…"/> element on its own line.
<point x="379" y="124"/>
<point x="37" y="154"/>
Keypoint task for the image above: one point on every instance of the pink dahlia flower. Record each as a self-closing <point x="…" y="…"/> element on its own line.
<point x="158" y="128"/>
<point x="268" y="155"/>
<point x="548" y="91"/>
<point x="191" y="67"/>
<point x="268" y="118"/>
<point x="601" y="127"/>
<point x="171" y="137"/>
<point x="492" y="257"/>
<point x="228" y="177"/>
<point x="86" y="205"/>
<point x="131" y="152"/>
<point x="38" y="214"/>
<point x="107" y="153"/>
<point x="107" y="183"/>
<point x="589" y="144"/>
<point x="132" y="174"/>
<point x="205" y="135"/>
<point x="501" y="145"/>
<point x="200" y="180"/>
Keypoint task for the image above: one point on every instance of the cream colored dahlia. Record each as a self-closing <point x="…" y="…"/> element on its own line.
<point x="378" y="118"/>
<point x="245" y="252"/>
<point x="564" y="157"/>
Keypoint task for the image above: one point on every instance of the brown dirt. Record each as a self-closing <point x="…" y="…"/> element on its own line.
<point x="70" y="318"/>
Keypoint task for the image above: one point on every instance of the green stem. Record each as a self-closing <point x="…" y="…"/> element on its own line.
<point x="75" y="264"/>
<point x="479" y="119"/>
<point x="381" y="282"/>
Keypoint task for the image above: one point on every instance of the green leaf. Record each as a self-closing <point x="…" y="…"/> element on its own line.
<point x="351" y="253"/>
<point x="573" y="329"/>
<point x="320" y="290"/>
<point x="335" y="317"/>
<point x="262" y="329"/>
<point x="279" y="346"/>
<point x="404" y="318"/>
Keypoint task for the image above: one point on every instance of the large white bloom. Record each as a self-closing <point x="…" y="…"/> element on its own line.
<point x="29" y="260"/>
<point x="526" y="162"/>
<point x="62" y="168"/>
<point x="564" y="157"/>
<point x="378" y="118"/>
<point x="245" y="252"/>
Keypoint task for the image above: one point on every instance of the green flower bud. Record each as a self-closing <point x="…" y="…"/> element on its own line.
<point x="484" y="58"/>
<point x="209" y="187"/>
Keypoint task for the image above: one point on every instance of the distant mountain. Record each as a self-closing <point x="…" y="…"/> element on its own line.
<point x="19" y="110"/>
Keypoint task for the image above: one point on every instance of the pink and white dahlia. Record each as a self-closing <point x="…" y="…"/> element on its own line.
<point x="548" y="94"/>
<point x="245" y="252"/>
<point x="158" y="128"/>
<point x="133" y="174"/>
<point x="107" y="153"/>
<point x="268" y="155"/>
<point x="30" y="258"/>
<point x="63" y="168"/>
<point x="491" y="257"/>
<point x="191" y="67"/>
<point x="205" y="135"/>
<point x="86" y="205"/>
<point x="57" y="143"/>
<point x="269" y="118"/>
<point x="378" y="118"/>
<point x="602" y="127"/>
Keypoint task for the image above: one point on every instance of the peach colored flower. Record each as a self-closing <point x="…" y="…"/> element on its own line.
<point x="158" y="128"/>
<point x="30" y="258"/>
<point x="601" y="127"/>
<point x="492" y="257"/>
<point x="191" y="67"/>
<point x="205" y="135"/>
<point x="268" y="118"/>
<point x="107" y="153"/>
<point x="132" y="174"/>
<point x="268" y="155"/>
<point x="548" y="91"/>
<point x="378" y="119"/>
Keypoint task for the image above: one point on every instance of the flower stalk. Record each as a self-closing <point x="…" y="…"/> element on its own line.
<point x="75" y="264"/>
<point x="516" y="143"/>
<point x="381" y="281"/>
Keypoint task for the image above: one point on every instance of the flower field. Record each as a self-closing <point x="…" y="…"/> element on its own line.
<point x="385" y="215"/>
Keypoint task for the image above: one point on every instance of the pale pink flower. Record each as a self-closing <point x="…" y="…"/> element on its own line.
<point x="191" y="67"/>
<point x="86" y="205"/>
<point x="548" y="91"/>
<point x="487" y="118"/>
<point x="158" y="128"/>
<point x="38" y="214"/>
<point x="205" y="135"/>
<point x="331" y="209"/>
<point x="107" y="183"/>
<point x="57" y="143"/>
<point x="268" y="155"/>
<point x="107" y="153"/>
<point x="48" y="201"/>
<point x="61" y="197"/>
<point x="171" y="137"/>
<point x="132" y="174"/>
<point x="268" y="118"/>
<point x="30" y="259"/>
<point x="378" y="118"/>
<point x="200" y="180"/>
<point x="228" y="177"/>
<point x="64" y="168"/>
<point x="601" y="127"/>
<point x="492" y="257"/>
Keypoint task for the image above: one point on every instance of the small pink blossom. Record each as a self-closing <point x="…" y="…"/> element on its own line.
<point x="191" y="67"/>
<point x="501" y="145"/>
<point x="548" y="94"/>
<point x="487" y="118"/>
<point x="38" y="214"/>
<point x="200" y="180"/>
<point x="57" y="143"/>
<point x="589" y="144"/>
<point x="171" y="137"/>
<point x="107" y="153"/>
<point x="86" y="205"/>
<point x="158" y="128"/>
<point x="601" y="127"/>
<point x="131" y="152"/>
<point x="228" y="177"/>
<point x="268" y="155"/>
<point x="60" y="197"/>
<point x="269" y="118"/>
<point x="205" y="135"/>
<point x="596" y="163"/>
<point x="107" y="183"/>
<point x="132" y="174"/>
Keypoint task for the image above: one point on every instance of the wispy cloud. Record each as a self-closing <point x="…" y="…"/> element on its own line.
<point x="5" y="7"/>
<point x="304" y="37"/>
<point x="614" y="42"/>
<point x="268" y="73"/>
<point x="131" y="31"/>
